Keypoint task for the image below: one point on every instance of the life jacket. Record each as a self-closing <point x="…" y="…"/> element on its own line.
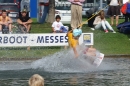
<point x="124" y="8"/>
<point x="70" y="36"/>
<point x="4" y="19"/>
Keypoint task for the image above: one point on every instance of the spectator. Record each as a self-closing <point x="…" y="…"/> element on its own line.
<point x="100" y="22"/>
<point x="58" y="27"/>
<point x="114" y="9"/>
<point x="76" y="13"/>
<point x="127" y="15"/>
<point x="90" y="13"/>
<point x="45" y="10"/>
<point x="5" y="22"/>
<point x="36" y="80"/>
<point x="24" y="22"/>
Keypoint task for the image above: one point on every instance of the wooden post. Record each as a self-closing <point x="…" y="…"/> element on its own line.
<point x="28" y="48"/>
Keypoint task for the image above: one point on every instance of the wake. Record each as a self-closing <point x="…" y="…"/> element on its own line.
<point x="65" y="62"/>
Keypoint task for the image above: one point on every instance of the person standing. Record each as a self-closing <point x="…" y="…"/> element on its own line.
<point x="114" y="9"/>
<point x="127" y="15"/>
<point x="45" y="10"/>
<point x="76" y="13"/>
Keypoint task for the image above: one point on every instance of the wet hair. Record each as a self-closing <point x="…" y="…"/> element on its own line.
<point x="36" y="80"/>
<point x="102" y="14"/>
<point x="58" y="17"/>
<point x="4" y="11"/>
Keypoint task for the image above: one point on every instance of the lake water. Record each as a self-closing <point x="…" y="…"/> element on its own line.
<point x="62" y="69"/>
<point x="112" y="72"/>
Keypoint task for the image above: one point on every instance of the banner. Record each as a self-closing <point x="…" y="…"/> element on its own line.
<point x="51" y="39"/>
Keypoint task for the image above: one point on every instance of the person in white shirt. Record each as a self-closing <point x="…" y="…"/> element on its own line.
<point x="58" y="27"/>
<point x="114" y="9"/>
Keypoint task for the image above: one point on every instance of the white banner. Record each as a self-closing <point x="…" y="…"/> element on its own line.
<point x="58" y="39"/>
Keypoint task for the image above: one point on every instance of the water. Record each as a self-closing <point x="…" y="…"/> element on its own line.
<point x="61" y="69"/>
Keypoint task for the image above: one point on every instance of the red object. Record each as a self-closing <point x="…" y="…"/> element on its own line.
<point x="124" y="8"/>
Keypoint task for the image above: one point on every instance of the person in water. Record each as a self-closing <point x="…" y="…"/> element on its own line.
<point x="89" y="52"/>
<point x="73" y="40"/>
<point x="36" y="80"/>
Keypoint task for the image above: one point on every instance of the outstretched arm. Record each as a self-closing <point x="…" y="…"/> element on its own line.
<point x="75" y="52"/>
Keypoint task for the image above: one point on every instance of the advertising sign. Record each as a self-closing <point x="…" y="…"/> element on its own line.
<point x="58" y="39"/>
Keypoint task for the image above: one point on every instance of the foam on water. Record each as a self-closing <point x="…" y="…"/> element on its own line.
<point x="64" y="61"/>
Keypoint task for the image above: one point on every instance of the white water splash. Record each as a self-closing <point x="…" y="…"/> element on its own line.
<point x="64" y="61"/>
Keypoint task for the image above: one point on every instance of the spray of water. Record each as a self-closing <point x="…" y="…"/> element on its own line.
<point x="64" y="61"/>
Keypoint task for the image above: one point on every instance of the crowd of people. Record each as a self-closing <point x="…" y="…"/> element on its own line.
<point x="24" y="22"/>
<point x="99" y="23"/>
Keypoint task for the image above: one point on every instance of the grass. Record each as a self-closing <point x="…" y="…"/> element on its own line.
<point x="110" y="43"/>
<point x="24" y="53"/>
<point x="107" y="43"/>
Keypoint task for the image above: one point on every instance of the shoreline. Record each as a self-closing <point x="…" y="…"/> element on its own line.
<point x="26" y="59"/>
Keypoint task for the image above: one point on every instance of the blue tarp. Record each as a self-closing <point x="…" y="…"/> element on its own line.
<point x="33" y="6"/>
<point x="124" y="27"/>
